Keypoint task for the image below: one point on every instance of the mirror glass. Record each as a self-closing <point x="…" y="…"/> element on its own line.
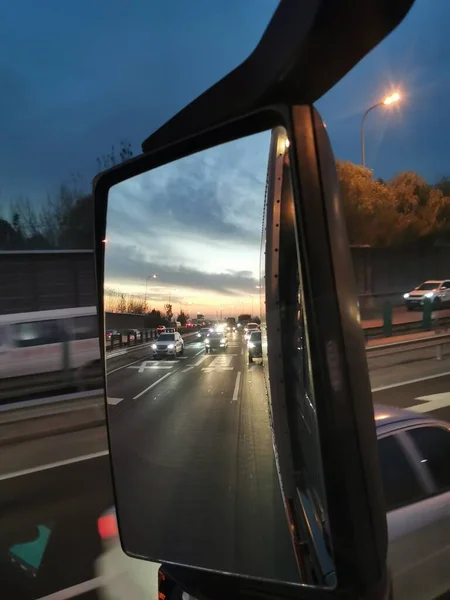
<point x="189" y="417"/>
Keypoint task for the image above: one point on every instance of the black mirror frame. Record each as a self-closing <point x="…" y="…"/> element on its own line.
<point x="360" y="574"/>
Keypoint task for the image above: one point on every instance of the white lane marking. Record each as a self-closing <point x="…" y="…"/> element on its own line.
<point x="114" y="401"/>
<point x="236" y="387"/>
<point x="432" y="402"/>
<point x="152" y="367"/>
<point x="54" y="465"/>
<point x="223" y="360"/>
<point x="76" y="590"/>
<point x="147" y="389"/>
<point x="217" y="369"/>
<point x="394" y="385"/>
<point x="200" y="360"/>
<point x="199" y="352"/>
<point x="187" y="369"/>
<point x="51" y="399"/>
<point x="123" y="366"/>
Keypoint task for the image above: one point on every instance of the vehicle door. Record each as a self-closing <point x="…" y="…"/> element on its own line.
<point x="445" y="290"/>
<point x="432" y="453"/>
<point x="407" y="490"/>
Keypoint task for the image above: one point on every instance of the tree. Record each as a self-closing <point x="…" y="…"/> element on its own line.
<point x="136" y="306"/>
<point x="153" y="319"/>
<point x="182" y="318"/>
<point x="122" y="304"/>
<point x="169" y="312"/>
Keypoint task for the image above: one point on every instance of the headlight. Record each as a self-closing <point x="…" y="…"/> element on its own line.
<point x="429" y="295"/>
<point x="170" y="346"/>
<point x="223" y="340"/>
<point x="251" y="345"/>
<point x="199" y="335"/>
<point x="405" y="295"/>
<point x="207" y="342"/>
<point x="154" y="346"/>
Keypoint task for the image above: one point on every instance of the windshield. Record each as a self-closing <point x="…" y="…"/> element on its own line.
<point x="256" y="336"/>
<point x="429" y="285"/>
<point x="215" y="335"/>
<point x="166" y="337"/>
<point x="204" y="330"/>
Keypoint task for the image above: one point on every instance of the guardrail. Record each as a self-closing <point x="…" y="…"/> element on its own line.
<point x="417" y="326"/>
<point x="394" y="353"/>
<point x="87" y="377"/>
<point x="143" y="336"/>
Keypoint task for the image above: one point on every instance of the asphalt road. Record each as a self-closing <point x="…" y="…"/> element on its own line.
<point x="176" y="421"/>
<point x="199" y="427"/>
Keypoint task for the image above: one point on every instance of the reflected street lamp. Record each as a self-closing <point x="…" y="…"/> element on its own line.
<point x="395" y="97"/>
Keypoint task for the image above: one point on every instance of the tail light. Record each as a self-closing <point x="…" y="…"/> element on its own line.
<point x="107" y="527"/>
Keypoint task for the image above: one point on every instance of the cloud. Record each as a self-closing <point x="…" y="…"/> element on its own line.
<point x="128" y="266"/>
<point x="201" y="214"/>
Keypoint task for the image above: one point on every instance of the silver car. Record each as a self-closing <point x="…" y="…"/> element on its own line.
<point x="168" y="344"/>
<point x="415" y="466"/>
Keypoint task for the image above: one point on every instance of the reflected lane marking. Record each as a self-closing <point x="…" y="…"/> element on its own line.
<point x="431" y="402"/>
<point x="54" y="465"/>
<point x="200" y="360"/>
<point x="147" y="389"/>
<point x="394" y="385"/>
<point x="114" y="401"/>
<point x="236" y="387"/>
<point x="187" y="369"/>
<point x="76" y="590"/>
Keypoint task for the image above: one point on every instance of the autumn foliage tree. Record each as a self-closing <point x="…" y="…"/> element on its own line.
<point x="404" y="210"/>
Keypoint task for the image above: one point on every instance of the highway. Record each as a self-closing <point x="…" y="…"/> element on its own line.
<point x="199" y="426"/>
<point x="206" y="411"/>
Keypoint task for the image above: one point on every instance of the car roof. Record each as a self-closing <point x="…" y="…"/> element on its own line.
<point x="391" y="415"/>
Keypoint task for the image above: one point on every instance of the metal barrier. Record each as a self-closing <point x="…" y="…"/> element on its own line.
<point x="130" y="339"/>
<point x="435" y="347"/>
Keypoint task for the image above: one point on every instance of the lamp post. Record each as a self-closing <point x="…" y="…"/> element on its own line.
<point x="153" y="276"/>
<point x="395" y="97"/>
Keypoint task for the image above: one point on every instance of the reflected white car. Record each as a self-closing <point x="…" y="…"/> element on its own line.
<point x="168" y="344"/>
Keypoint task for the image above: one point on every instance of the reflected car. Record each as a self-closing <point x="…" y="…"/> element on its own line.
<point x="414" y="456"/>
<point x="204" y="332"/>
<point x="437" y="291"/>
<point x="168" y="344"/>
<point x="249" y="328"/>
<point x="216" y="341"/>
<point x="254" y="346"/>
<point x="160" y="328"/>
<point x="109" y="334"/>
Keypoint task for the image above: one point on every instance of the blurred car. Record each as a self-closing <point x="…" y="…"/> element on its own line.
<point x="160" y="328"/>
<point x="109" y="334"/>
<point x="204" y="331"/>
<point x="249" y="328"/>
<point x="414" y="457"/>
<point x="168" y="344"/>
<point x="216" y="341"/>
<point x="254" y="346"/>
<point x="437" y="291"/>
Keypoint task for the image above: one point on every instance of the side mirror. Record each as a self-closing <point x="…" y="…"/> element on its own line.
<point x="219" y="462"/>
<point x="249" y="476"/>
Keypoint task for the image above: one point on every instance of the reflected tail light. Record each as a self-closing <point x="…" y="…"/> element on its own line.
<point x="107" y="527"/>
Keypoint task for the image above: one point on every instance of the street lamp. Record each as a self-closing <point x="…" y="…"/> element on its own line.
<point x="153" y="276"/>
<point x="395" y="97"/>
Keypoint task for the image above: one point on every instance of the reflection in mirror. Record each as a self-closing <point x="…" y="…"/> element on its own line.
<point x="190" y="427"/>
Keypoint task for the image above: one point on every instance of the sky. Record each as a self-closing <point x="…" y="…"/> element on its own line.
<point x="78" y="77"/>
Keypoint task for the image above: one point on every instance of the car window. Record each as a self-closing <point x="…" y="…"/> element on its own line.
<point x="433" y="444"/>
<point x="166" y="337"/>
<point x="400" y="482"/>
<point x="256" y="336"/>
<point x="430" y="285"/>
